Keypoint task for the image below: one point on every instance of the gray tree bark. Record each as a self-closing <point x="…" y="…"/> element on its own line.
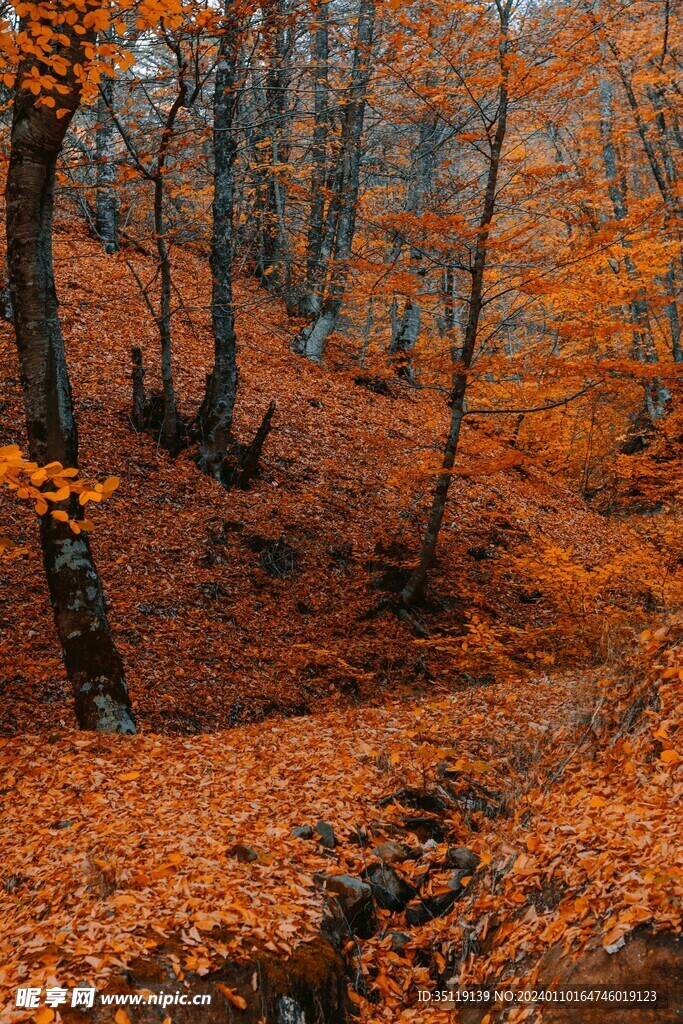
<point x="313" y="338"/>
<point x="91" y="658"/>
<point x="423" y="165"/>
<point x="275" y="258"/>
<point x="315" y="265"/>
<point x="672" y="312"/>
<point x="169" y="428"/>
<point x="107" y="202"/>
<point x="217" y="410"/>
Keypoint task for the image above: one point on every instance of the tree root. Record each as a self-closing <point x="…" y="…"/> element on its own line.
<point x="402" y="613"/>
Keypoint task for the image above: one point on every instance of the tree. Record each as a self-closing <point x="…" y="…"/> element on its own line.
<point x="430" y="134"/>
<point x="271" y="89"/>
<point x="28" y="481"/>
<point x="496" y="130"/>
<point x="188" y="81"/>
<point x="57" y="56"/>
<point x="320" y="60"/>
<point x="38" y="129"/>
<point x="216" y="414"/>
<point x="107" y="203"/>
<point x="344" y="206"/>
<point x="644" y="347"/>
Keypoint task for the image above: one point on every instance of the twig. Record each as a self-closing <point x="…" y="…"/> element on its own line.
<point x="538" y="408"/>
<point x="556" y="774"/>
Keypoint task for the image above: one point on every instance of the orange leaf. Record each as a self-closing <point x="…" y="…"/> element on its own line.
<point x="234" y="997"/>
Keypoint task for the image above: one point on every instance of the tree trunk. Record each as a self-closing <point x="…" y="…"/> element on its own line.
<point x="672" y="313"/>
<point x="462" y="360"/>
<point x="316" y="291"/>
<point x="107" y="203"/>
<point x="219" y="403"/>
<point x="276" y="256"/>
<point x="320" y="56"/>
<point x="92" y="661"/>
<point x="449" y="295"/>
<point x="405" y="339"/>
<point x="369" y="320"/>
<point x="169" y="428"/>
<point x="407" y="334"/>
<point x="314" y="337"/>
<point x="656" y="395"/>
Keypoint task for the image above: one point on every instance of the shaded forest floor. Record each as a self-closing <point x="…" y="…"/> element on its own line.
<point x="231" y="606"/>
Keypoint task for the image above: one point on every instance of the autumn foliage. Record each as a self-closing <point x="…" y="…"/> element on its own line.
<point x="46" y="486"/>
<point x="360" y="320"/>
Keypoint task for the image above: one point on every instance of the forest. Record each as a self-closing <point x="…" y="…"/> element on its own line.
<point x="341" y="549"/>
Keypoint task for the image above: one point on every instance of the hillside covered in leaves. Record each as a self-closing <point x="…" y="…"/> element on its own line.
<point x="230" y="605"/>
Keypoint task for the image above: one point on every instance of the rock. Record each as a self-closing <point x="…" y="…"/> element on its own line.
<point x="424" y="827"/>
<point x="463" y="859"/>
<point x="399" y="941"/>
<point x="456" y="880"/>
<point x="418" y="913"/>
<point x="430" y="846"/>
<point x="420" y="878"/>
<point x="303" y="832"/>
<point x="326" y="834"/>
<point x="353" y="898"/>
<point x="391" y="891"/>
<point x="392" y="852"/>
<point x="243" y="853"/>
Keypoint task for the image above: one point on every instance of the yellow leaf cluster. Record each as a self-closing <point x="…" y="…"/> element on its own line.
<point x="49" y="485"/>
